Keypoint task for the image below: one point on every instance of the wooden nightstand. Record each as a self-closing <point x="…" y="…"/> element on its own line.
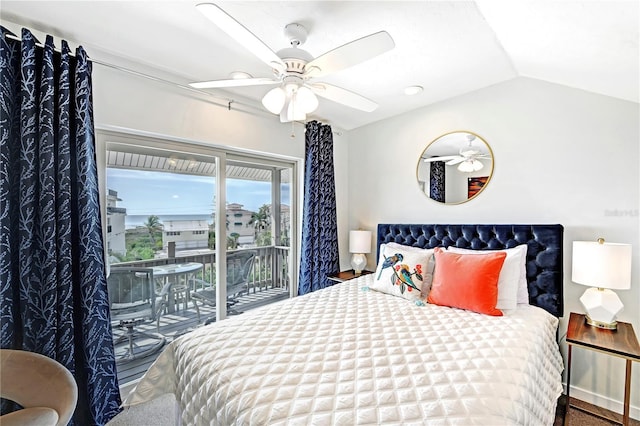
<point x="346" y="275"/>
<point x="622" y="343"/>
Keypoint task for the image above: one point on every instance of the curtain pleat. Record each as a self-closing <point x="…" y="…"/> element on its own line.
<point x="53" y="285"/>
<point x="319" y="246"/>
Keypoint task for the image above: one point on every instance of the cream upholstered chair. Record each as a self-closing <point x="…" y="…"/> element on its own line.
<point x="44" y="387"/>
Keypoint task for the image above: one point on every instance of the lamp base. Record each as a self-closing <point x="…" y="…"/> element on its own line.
<point x="358" y="262"/>
<point x="601" y="307"/>
<point x="600" y="324"/>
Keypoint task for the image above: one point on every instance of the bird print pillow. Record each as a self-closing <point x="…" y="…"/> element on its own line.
<point x="404" y="271"/>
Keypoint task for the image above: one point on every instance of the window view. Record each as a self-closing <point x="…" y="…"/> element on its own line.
<point x="161" y="243"/>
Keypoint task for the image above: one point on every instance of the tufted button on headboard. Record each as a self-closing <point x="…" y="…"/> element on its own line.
<point x="544" y="250"/>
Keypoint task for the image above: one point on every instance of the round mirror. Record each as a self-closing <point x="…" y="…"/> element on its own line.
<point x="455" y="167"/>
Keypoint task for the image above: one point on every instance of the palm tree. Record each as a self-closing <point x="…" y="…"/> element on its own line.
<point x="232" y="240"/>
<point x="153" y="225"/>
<point x="260" y="220"/>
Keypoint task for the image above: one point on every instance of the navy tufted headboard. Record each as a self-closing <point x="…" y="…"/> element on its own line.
<point x="544" y="252"/>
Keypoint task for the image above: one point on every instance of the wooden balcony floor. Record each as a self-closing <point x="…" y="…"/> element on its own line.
<point x="173" y="325"/>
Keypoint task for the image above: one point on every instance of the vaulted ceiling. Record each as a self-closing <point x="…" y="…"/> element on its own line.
<point x="447" y="47"/>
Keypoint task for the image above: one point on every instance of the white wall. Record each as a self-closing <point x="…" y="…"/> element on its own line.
<point x="129" y="101"/>
<point x="561" y="156"/>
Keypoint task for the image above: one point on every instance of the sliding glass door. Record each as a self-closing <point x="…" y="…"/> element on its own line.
<point x="258" y="222"/>
<point x="195" y="216"/>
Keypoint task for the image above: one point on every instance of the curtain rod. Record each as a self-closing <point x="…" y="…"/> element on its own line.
<point x="218" y="101"/>
<point x="226" y="102"/>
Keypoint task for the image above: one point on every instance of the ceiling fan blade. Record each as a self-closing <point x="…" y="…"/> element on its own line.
<point x="241" y="34"/>
<point x="443" y="158"/>
<point x="343" y="96"/>
<point x="239" y="82"/>
<point x="470" y="153"/>
<point x="350" y="54"/>
<point x="455" y="161"/>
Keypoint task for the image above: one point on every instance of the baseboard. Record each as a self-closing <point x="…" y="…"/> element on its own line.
<point x="602" y="401"/>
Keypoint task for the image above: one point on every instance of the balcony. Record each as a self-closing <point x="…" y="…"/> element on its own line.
<point x="268" y="283"/>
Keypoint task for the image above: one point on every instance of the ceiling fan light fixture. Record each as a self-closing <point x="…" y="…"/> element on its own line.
<point x="274" y="100"/>
<point x="465" y="167"/>
<point x="240" y="75"/>
<point x="291" y="112"/>
<point x="306" y="100"/>
<point x="469" y="166"/>
<point x="294" y="113"/>
<point x="291" y="101"/>
<point x="413" y="90"/>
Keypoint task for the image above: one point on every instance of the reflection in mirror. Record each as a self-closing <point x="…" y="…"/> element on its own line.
<point x="455" y="167"/>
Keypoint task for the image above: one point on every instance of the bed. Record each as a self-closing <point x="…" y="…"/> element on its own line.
<point x="349" y="354"/>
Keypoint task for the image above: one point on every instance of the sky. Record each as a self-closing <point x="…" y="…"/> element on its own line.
<point x="162" y="193"/>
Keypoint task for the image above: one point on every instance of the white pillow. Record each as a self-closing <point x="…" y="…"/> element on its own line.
<point x="403" y="271"/>
<point x="511" y="290"/>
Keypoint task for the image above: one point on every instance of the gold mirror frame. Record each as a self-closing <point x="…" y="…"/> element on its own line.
<point x="442" y="180"/>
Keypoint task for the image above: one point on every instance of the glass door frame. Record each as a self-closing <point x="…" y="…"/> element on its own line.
<point x="106" y="135"/>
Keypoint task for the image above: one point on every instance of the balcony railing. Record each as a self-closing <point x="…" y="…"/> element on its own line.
<point x="268" y="283"/>
<point x="270" y="269"/>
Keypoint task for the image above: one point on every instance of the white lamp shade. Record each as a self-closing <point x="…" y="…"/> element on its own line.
<point x="306" y="100"/>
<point x="292" y="102"/>
<point x="294" y="112"/>
<point x="360" y="241"/>
<point x="274" y="100"/>
<point x="603" y="265"/>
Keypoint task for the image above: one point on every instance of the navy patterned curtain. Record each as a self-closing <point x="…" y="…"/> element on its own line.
<point x="436" y="181"/>
<point x="53" y="289"/>
<point x="319" y="248"/>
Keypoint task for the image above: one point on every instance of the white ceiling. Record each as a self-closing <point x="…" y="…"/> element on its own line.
<point x="448" y="47"/>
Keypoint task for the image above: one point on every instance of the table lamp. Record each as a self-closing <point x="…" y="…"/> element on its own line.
<point x="359" y="245"/>
<point x="601" y="266"/>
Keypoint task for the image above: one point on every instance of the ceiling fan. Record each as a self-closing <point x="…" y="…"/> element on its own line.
<point x="468" y="158"/>
<point x="294" y="68"/>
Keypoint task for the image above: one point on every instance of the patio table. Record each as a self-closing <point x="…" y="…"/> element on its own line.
<point x="178" y="274"/>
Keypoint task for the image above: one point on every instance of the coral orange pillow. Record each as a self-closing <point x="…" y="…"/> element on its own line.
<point x="467" y="281"/>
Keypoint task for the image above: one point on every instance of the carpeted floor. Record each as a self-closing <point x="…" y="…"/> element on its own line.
<point x="159" y="412"/>
<point x="578" y="417"/>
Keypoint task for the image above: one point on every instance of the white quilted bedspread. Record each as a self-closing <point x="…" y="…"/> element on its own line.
<point x="344" y="356"/>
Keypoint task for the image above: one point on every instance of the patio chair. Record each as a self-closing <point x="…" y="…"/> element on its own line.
<point x="132" y="302"/>
<point x="239" y="267"/>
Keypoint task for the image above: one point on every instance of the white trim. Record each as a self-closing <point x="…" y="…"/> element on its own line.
<point x="221" y="237"/>
<point x="602" y="401"/>
<point x="106" y="134"/>
<point x="117" y="134"/>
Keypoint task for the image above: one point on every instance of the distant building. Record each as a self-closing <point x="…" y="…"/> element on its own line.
<point x="115" y="224"/>
<point x="285" y="224"/>
<point x="187" y="234"/>
<point x="238" y="222"/>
